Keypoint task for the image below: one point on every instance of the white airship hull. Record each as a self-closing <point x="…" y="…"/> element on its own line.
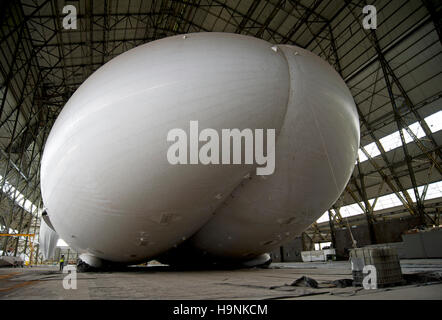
<point x="315" y="157"/>
<point x="111" y="193"/>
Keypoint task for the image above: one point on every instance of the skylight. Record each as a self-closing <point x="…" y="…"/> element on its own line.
<point x="388" y="201"/>
<point x="393" y="141"/>
<point x="371" y="149"/>
<point x="434" y="121"/>
<point x="12" y="192"/>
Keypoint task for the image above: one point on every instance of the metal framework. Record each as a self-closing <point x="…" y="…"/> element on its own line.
<point x="393" y="72"/>
<point x="27" y="236"/>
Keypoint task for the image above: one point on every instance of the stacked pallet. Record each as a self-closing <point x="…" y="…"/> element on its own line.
<point x="385" y="261"/>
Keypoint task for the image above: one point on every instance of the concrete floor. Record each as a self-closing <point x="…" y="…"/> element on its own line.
<point x="162" y="282"/>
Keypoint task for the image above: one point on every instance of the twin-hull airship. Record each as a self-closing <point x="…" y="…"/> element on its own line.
<point x="119" y="189"/>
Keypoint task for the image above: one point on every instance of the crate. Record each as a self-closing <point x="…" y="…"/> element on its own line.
<point x="384" y="259"/>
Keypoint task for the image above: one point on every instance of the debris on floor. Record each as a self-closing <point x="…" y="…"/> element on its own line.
<point x="343" y="283"/>
<point x="305" y="282"/>
<point x="423" y="277"/>
<point x="45" y="282"/>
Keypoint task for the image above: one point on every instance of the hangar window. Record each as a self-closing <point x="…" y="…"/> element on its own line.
<point x="388" y="201"/>
<point x="350" y="210"/>
<point x="434" y="121"/>
<point x="16" y="195"/>
<point x="371" y="149"/>
<point x="393" y="141"/>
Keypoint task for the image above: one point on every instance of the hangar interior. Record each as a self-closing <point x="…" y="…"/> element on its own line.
<point x="394" y="73"/>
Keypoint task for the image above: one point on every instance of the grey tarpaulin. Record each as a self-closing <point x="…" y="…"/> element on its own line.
<point x="48" y="240"/>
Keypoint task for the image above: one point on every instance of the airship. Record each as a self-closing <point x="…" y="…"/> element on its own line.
<point x="113" y="193"/>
